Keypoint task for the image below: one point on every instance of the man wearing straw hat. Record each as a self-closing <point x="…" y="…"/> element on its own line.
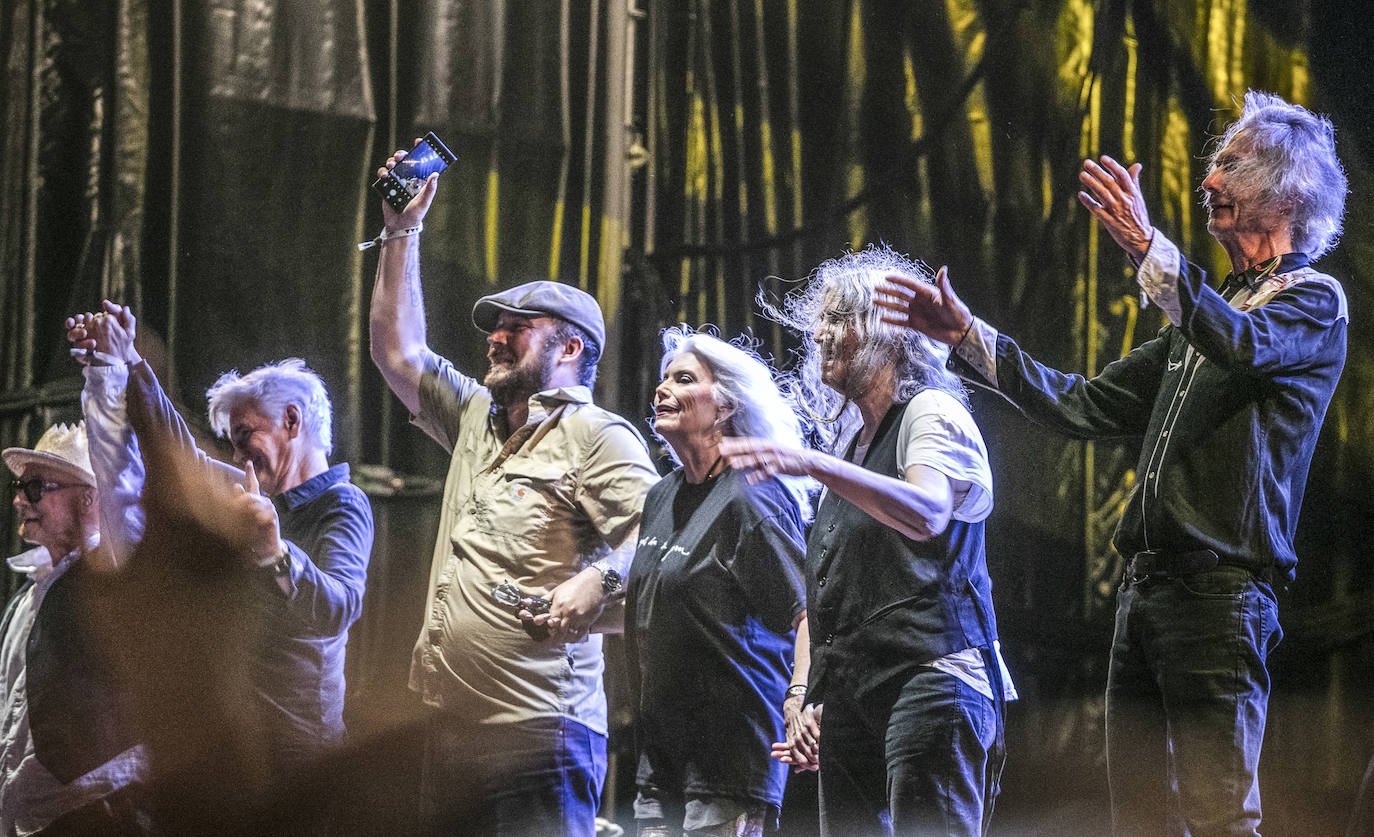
<point x="69" y="763"/>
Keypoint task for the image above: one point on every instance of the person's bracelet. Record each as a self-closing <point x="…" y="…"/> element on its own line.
<point x="963" y="336"/>
<point x="795" y="690"/>
<point x="387" y="235"/>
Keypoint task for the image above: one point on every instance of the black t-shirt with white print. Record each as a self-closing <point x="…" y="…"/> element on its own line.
<point x="712" y="594"/>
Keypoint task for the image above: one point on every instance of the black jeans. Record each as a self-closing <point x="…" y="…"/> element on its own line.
<point x="909" y="759"/>
<point x="1187" y="697"/>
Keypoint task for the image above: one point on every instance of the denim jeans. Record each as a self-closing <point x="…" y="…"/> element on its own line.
<point x="511" y="780"/>
<point x="912" y="757"/>
<point x="1187" y="694"/>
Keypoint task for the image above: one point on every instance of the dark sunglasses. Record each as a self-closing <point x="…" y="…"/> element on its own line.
<point x="35" y="487"/>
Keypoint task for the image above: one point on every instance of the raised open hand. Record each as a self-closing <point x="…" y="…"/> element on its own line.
<point x="1112" y="194"/>
<point x="934" y="310"/>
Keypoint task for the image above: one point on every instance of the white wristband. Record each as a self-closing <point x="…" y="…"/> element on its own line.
<point x="386" y="235"/>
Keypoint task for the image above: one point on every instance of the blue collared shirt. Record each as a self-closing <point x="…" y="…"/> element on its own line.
<point x="298" y="665"/>
<point x="326" y="522"/>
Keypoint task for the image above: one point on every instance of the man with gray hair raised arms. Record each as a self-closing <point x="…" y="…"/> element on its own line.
<point x="545" y="491"/>
<point x="309" y="529"/>
<point x="1227" y="402"/>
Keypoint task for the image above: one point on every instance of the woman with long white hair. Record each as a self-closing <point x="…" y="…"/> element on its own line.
<point x="713" y="598"/>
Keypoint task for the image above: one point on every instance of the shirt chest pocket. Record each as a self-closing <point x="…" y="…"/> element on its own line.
<point x="520" y="500"/>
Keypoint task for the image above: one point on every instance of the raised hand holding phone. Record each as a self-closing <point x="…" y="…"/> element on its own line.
<point x="405" y="174"/>
<point x="406" y="182"/>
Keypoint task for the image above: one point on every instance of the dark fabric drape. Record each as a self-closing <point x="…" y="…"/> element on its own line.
<point x="75" y="99"/>
<point x="275" y="128"/>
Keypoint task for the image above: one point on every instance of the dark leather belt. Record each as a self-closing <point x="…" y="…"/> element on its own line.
<point x="1159" y="564"/>
<point x="1154" y="563"/>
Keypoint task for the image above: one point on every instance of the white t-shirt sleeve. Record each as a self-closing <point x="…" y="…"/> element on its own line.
<point x="939" y="432"/>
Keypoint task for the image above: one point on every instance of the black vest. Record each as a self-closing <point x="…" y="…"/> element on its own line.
<point x="76" y="713"/>
<point x="879" y="603"/>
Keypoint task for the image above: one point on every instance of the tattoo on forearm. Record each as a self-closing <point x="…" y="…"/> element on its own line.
<point x="412" y="280"/>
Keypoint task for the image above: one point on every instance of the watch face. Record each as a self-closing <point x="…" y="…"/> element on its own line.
<point x="610" y="581"/>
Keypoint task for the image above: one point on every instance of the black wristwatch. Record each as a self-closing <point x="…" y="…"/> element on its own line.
<point x="282" y="566"/>
<point x="611" y="582"/>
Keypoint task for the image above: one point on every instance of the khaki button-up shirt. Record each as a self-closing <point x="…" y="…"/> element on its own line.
<point x="570" y="496"/>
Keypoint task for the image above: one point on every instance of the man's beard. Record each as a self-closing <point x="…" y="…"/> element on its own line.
<point x="516" y="382"/>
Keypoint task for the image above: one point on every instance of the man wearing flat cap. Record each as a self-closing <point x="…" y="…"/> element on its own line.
<point x="544" y="490"/>
<point x="69" y="759"/>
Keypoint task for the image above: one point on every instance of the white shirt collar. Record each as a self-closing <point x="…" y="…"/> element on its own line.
<point x="37" y="563"/>
<point x="575" y="394"/>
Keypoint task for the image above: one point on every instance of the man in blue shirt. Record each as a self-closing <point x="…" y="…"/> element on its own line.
<point x="1227" y="402"/>
<point x="308" y="530"/>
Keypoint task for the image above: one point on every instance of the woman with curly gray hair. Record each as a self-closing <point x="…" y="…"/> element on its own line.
<point x="713" y="597"/>
<point x="903" y="654"/>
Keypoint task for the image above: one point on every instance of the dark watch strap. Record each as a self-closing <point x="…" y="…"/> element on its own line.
<point x="281" y="566"/>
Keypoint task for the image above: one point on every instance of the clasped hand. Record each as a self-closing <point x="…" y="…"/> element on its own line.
<point x="246" y="517"/>
<point x="574" y="607"/>
<point x="110" y="331"/>
<point x="802" y="749"/>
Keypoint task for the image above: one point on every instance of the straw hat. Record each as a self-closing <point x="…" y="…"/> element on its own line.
<point x="63" y="448"/>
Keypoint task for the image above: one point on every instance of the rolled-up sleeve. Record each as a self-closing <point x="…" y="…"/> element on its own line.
<point x="444" y="396"/>
<point x="615" y="475"/>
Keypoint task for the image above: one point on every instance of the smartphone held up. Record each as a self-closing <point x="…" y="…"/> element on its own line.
<point x="407" y="178"/>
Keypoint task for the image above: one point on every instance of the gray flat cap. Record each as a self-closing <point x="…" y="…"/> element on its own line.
<point x="543" y="299"/>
